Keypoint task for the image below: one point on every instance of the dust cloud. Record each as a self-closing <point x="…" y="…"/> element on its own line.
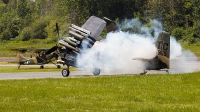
<point x="181" y="61"/>
<point x="119" y="49"/>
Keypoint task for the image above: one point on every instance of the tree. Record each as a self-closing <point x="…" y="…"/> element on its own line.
<point x="5" y="1"/>
<point x="22" y="8"/>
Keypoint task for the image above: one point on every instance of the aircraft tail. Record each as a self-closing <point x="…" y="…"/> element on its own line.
<point x="163" y="46"/>
<point x="20" y="58"/>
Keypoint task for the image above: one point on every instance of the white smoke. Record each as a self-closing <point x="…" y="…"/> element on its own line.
<point x="119" y="49"/>
<point x="181" y="60"/>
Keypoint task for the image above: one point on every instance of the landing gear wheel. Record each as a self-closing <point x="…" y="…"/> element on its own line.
<point x="96" y="71"/>
<point x="19" y="66"/>
<point x="65" y="72"/>
<point x="58" y="66"/>
<point x="144" y="73"/>
<point x="167" y="71"/>
<point x="41" y="67"/>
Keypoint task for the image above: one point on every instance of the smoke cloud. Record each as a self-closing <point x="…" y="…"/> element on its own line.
<point x="119" y="49"/>
<point x="181" y="61"/>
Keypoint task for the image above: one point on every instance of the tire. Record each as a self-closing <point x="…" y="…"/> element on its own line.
<point x="41" y="67"/>
<point x="65" y="72"/>
<point x="58" y="66"/>
<point x="96" y="71"/>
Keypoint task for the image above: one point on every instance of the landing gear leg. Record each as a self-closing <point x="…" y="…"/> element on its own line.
<point x="65" y="72"/>
<point x="19" y="66"/>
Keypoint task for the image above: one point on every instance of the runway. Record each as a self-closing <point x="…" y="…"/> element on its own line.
<point x="176" y="67"/>
<point x="36" y="75"/>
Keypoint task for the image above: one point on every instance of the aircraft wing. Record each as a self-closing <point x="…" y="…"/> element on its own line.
<point x="23" y="50"/>
<point x="95" y="25"/>
<point x="141" y="59"/>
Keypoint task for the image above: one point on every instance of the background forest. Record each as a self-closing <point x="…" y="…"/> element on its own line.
<point x="24" y="20"/>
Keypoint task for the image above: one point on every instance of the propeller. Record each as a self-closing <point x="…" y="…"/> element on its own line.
<point x="54" y="48"/>
<point x="57" y="29"/>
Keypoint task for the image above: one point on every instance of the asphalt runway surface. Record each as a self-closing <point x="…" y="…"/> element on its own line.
<point x="37" y="75"/>
<point x="176" y="67"/>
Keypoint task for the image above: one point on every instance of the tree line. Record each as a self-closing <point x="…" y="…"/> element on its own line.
<point x="35" y="19"/>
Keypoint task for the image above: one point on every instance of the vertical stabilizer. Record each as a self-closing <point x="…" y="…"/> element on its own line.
<point x="163" y="46"/>
<point x="20" y="58"/>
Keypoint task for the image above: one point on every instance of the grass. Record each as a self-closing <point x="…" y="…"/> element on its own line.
<point x="34" y="43"/>
<point x="193" y="47"/>
<point x="163" y="93"/>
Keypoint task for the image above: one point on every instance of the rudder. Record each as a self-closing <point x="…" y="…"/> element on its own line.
<point x="163" y="47"/>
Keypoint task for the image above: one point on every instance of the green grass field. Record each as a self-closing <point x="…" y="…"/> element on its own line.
<point x="151" y="93"/>
<point x="34" y="43"/>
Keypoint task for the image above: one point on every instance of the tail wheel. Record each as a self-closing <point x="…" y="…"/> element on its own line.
<point x="65" y="72"/>
<point x="96" y="71"/>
